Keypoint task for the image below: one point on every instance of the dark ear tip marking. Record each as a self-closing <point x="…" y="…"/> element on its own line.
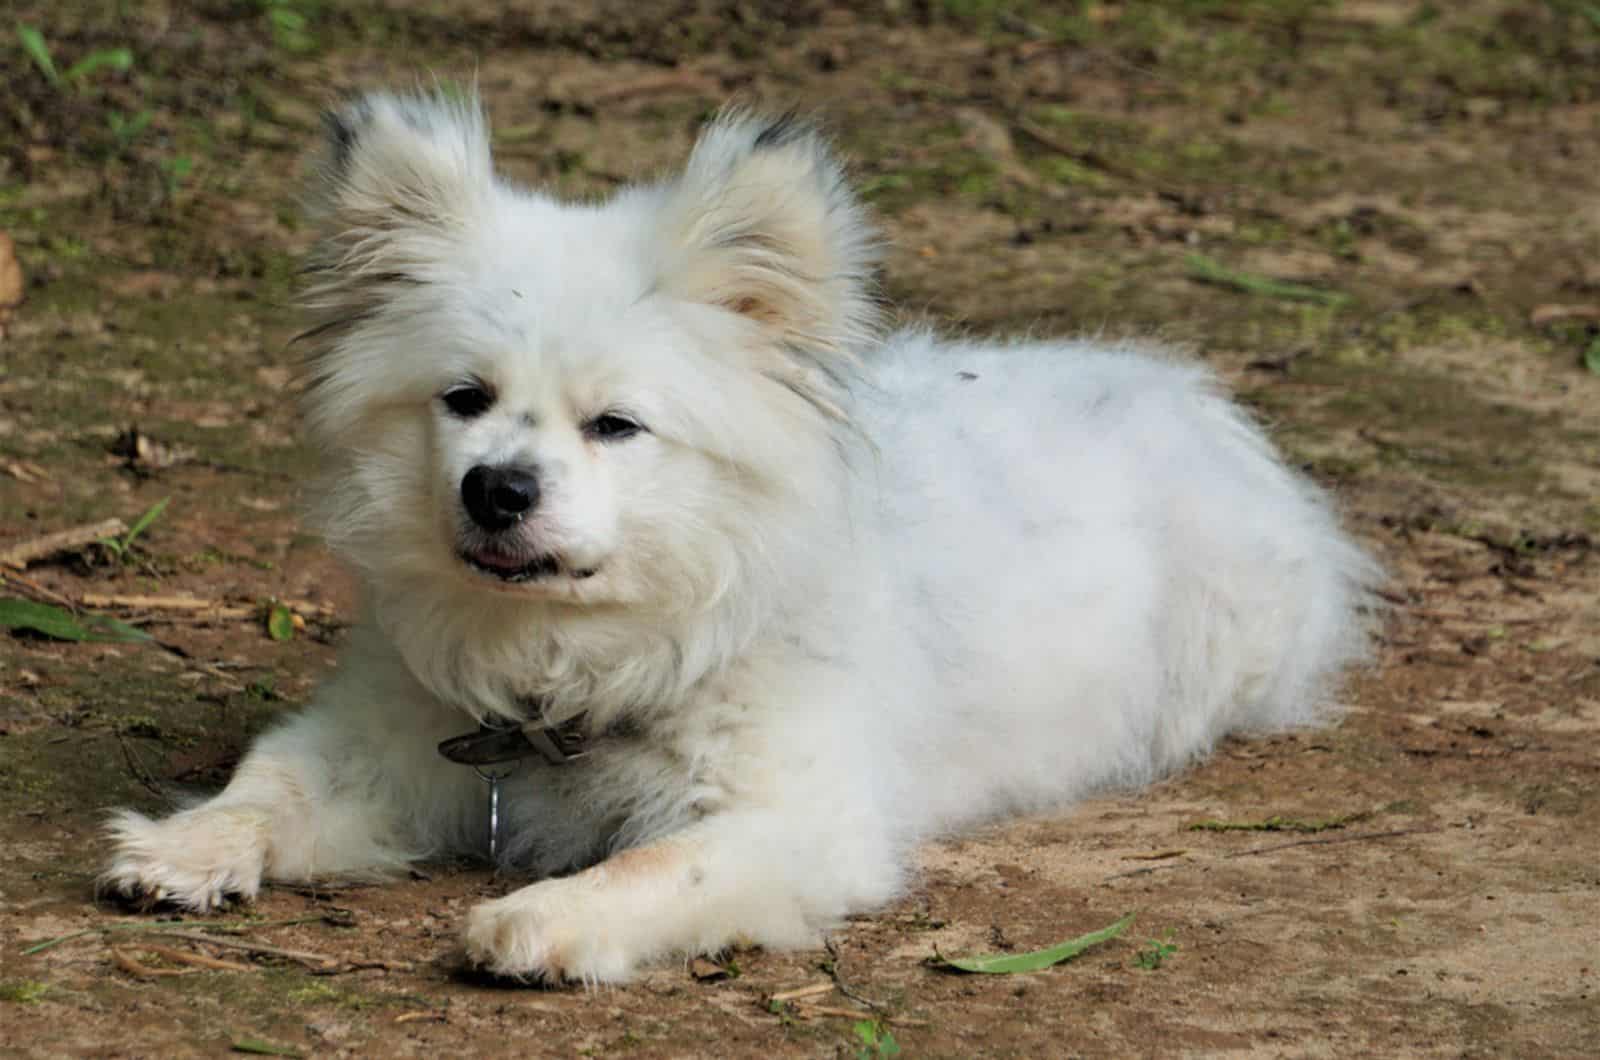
<point x="343" y="126"/>
<point x="781" y="131"/>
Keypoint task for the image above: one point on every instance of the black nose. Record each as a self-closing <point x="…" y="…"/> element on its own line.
<point x="496" y="497"/>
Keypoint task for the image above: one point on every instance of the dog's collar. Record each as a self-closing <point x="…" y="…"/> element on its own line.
<point x="496" y="750"/>
<point x="495" y="743"/>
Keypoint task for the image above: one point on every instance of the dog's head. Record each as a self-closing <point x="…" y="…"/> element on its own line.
<point x="592" y="403"/>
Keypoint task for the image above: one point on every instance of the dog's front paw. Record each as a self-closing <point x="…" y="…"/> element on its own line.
<point x="196" y="859"/>
<point x="543" y="933"/>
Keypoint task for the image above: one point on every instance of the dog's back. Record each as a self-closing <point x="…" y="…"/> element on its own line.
<point x="1103" y="566"/>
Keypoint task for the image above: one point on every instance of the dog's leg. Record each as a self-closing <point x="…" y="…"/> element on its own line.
<point x="336" y="792"/>
<point x="750" y="877"/>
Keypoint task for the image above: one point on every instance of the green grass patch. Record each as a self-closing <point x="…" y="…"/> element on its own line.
<point x="23" y="991"/>
<point x="58" y="623"/>
<point x="1034" y="960"/>
<point x="1206" y="270"/>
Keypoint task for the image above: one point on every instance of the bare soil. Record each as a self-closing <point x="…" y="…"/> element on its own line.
<point x="1050" y="168"/>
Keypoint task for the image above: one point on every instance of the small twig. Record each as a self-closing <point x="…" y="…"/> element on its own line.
<point x="1146" y="871"/>
<point x="314" y="961"/>
<point x="656" y="85"/>
<point x="1092" y="159"/>
<point x="135" y="602"/>
<point x="802" y="992"/>
<point x="47" y="595"/>
<point x="1364" y="836"/>
<point x="149" y="603"/>
<point x="199" y="960"/>
<point x="838" y="980"/>
<point x="21" y="470"/>
<point x="413" y="1017"/>
<point x="139" y="927"/>
<point x="324" y="889"/>
<point x="360" y="964"/>
<point x="141" y="774"/>
<point x="132" y="966"/>
<point x="69" y="540"/>
<point x="228" y="683"/>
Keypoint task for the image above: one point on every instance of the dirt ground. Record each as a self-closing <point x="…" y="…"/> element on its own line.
<point x="1402" y="202"/>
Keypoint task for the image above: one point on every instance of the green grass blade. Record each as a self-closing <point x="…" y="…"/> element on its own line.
<point x="33" y="43"/>
<point x="144" y="521"/>
<point x="42" y="618"/>
<point x="126" y="128"/>
<point x="103" y="627"/>
<point x="104" y="59"/>
<point x="62" y="624"/>
<point x="1011" y="963"/>
<point x="48" y="944"/>
<point x="261" y="1047"/>
<point x="1206" y="270"/>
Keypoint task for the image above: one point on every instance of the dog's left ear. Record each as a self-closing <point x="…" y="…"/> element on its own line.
<point x="763" y="224"/>
<point x="402" y="179"/>
<point x="396" y="162"/>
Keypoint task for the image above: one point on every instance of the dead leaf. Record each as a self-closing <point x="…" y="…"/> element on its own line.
<point x="10" y="281"/>
<point x="706" y="970"/>
<point x="23" y="471"/>
<point x="1550" y="314"/>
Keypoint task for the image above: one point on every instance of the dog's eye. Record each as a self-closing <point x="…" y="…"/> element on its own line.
<point x="468" y="400"/>
<point x="612" y="427"/>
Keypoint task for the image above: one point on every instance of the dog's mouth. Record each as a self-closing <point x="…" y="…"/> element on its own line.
<point x="516" y="568"/>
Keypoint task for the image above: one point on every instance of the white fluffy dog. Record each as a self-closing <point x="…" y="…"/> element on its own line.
<point x="635" y="484"/>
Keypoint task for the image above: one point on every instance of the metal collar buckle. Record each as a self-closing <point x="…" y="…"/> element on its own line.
<point x="510" y="742"/>
<point x="496" y="751"/>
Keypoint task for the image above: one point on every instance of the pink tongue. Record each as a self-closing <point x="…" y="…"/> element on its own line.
<point x="498" y="560"/>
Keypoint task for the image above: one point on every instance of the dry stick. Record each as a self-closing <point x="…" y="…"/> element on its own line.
<point x="38" y="590"/>
<point x="21" y="470"/>
<point x="1092" y="159"/>
<point x="315" y="961"/>
<point x="412" y="1017"/>
<point x="125" y="927"/>
<point x="149" y="603"/>
<point x="1335" y="839"/>
<point x="801" y="992"/>
<point x="199" y="960"/>
<point x="71" y="539"/>
<point x="1144" y="871"/>
<point x="129" y="964"/>
<point x="356" y="964"/>
<point x="657" y="84"/>
<point x="134" y="602"/>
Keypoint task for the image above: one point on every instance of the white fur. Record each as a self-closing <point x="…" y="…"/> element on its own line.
<point x="848" y="593"/>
